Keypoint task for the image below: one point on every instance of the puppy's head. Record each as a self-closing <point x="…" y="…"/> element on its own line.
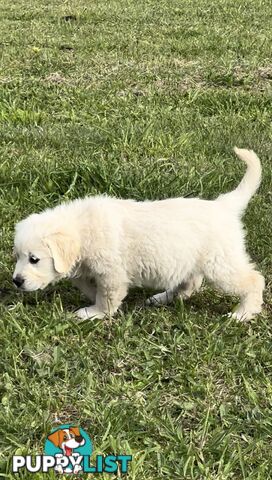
<point x="46" y="250"/>
<point x="67" y="439"/>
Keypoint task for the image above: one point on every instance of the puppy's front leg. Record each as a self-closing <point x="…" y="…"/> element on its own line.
<point x="109" y="296"/>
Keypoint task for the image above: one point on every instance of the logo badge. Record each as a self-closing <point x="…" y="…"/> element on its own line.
<point x="68" y="449"/>
<point x="68" y="441"/>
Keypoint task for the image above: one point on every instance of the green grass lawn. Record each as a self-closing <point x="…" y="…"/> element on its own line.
<point x="142" y="99"/>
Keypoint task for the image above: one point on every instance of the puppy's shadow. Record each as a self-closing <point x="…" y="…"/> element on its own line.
<point x="70" y="296"/>
<point x="7" y="295"/>
<point x="207" y="301"/>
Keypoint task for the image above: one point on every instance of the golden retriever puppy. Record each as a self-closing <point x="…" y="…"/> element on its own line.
<point x="106" y="245"/>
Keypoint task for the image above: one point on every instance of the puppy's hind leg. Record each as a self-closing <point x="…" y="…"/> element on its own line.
<point x="184" y="290"/>
<point x="163" y="298"/>
<point x="249" y="286"/>
<point x="242" y="280"/>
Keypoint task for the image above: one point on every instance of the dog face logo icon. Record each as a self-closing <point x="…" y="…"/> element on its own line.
<point x="68" y="443"/>
<point x="67" y="439"/>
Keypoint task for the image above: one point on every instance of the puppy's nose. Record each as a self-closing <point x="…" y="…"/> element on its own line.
<point x="18" y="280"/>
<point x="79" y="439"/>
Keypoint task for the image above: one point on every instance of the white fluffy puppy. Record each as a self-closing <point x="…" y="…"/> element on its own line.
<point x="107" y="245"/>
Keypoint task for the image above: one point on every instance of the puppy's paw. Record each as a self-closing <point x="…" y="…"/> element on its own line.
<point x="241" y="316"/>
<point x="77" y="469"/>
<point x="58" y="468"/>
<point x="89" y="312"/>
<point x="159" y="299"/>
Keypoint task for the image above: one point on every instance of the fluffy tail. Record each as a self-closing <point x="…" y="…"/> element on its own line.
<point x="239" y="198"/>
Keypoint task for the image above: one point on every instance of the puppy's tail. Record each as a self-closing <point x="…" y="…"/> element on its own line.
<point x="239" y="198"/>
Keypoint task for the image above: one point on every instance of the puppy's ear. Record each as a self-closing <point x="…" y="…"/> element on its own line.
<point x="64" y="250"/>
<point x="55" y="438"/>
<point x="76" y="431"/>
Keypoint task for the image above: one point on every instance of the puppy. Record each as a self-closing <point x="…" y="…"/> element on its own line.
<point x="67" y="440"/>
<point x="106" y="245"/>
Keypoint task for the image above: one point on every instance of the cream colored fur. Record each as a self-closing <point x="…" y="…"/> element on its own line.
<point x="107" y="245"/>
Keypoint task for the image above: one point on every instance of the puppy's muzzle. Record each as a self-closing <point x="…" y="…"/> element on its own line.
<point x="18" y="280"/>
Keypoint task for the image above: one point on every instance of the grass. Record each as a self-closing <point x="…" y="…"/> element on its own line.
<point x="145" y="100"/>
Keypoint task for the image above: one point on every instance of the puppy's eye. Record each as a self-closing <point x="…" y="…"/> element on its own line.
<point x="33" y="259"/>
